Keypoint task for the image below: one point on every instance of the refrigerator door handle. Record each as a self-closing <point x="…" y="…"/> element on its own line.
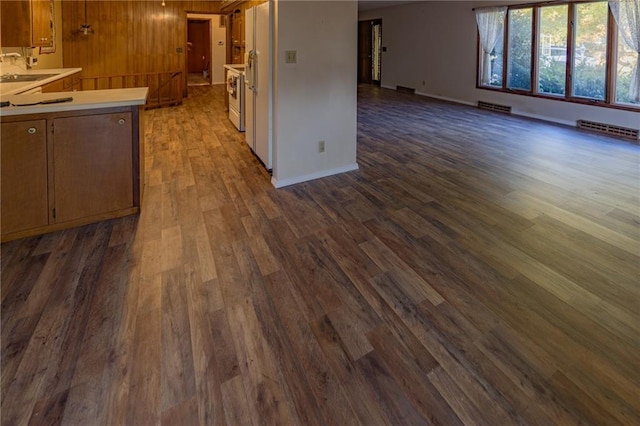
<point x="251" y="70"/>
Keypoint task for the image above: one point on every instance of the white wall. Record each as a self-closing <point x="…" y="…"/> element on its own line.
<point x="315" y="98"/>
<point x="436" y="43"/>
<point x="218" y="52"/>
<point x="218" y="41"/>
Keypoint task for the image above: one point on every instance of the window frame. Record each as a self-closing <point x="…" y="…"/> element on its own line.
<point x="612" y="41"/>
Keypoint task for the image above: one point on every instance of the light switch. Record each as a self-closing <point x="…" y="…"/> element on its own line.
<point x="291" y="57"/>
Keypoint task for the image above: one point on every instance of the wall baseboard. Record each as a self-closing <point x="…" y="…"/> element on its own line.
<point x="544" y="118"/>
<point x="514" y="112"/>
<point x="444" y="98"/>
<point x="317" y="175"/>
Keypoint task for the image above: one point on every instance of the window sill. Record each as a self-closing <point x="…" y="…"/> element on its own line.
<point x="561" y="98"/>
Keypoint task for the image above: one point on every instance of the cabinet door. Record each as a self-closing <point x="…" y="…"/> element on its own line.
<point x="41" y="23"/>
<point x="24" y="176"/>
<point x="15" y="17"/>
<point x="92" y="157"/>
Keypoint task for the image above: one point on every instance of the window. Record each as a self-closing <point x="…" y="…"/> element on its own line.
<point x="574" y="50"/>
<point x="491" y="32"/>
<point x="552" y="50"/>
<point x="497" y="63"/>
<point x="626" y="67"/>
<point x="519" y="53"/>
<point x="627" y="16"/>
<point x="590" y="50"/>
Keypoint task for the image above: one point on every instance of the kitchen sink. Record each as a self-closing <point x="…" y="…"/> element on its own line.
<point x="22" y="78"/>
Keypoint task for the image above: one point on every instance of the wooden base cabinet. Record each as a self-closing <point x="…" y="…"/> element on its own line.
<point x="69" y="83"/>
<point x="92" y="157"/>
<point x="23" y="164"/>
<point x="68" y="169"/>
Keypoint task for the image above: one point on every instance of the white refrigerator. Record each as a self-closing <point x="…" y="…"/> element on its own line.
<point x="258" y="82"/>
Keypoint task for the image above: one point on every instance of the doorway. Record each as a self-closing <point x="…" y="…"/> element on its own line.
<point x="198" y="52"/>
<point x="370" y="51"/>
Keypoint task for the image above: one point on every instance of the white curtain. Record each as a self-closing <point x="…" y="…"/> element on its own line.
<point x="490" y="26"/>
<point x="627" y="16"/>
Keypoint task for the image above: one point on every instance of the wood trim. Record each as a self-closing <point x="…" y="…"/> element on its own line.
<point x="75" y="113"/>
<point x="540" y="3"/>
<point x="51" y="193"/>
<point x="229" y="5"/>
<point x="505" y="51"/>
<point x="571" y="16"/>
<point x="478" y="49"/>
<point x="535" y="36"/>
<point x="136" y="157"/>
<point x="70" y="224"/>
<point x="609" y="91"/>
<point x="572" y="100"/>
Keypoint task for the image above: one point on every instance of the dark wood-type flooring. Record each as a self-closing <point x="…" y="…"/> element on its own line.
<point x="477" y="269"/>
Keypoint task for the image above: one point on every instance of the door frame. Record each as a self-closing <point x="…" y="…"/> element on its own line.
<point x="214" y="19"/>
<point x="365" y="29"/>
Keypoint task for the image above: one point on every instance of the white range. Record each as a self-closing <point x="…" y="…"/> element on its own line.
<point x="235" y="91"/>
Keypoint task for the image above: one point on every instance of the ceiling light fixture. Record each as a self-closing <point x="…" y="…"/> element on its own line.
<point x="85" y="28"/>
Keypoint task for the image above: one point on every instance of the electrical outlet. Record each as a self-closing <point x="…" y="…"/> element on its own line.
<point x="321" y="146"/>
<point x="291" y="57"/>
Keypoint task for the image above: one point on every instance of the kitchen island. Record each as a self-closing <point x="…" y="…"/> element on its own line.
<point x="71" y="163"/>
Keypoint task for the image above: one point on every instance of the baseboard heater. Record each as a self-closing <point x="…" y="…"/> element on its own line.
<point x="403" y="89"/>
<point x="494" y="107"/>
<point x="608" y="129"/>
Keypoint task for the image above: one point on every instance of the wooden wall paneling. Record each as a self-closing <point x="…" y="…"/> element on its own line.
<point x="131" y="36"/>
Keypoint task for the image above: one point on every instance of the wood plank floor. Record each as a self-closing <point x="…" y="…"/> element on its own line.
<point x="477" y="269"/>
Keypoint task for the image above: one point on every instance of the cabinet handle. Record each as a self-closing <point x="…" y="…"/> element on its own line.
<point x="32" y="130"/>
<point x="121" y="121"/>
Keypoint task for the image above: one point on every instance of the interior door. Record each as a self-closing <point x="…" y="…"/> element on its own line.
<point x="365" y="59"/>
<point x="370" y="51"/>
<point x="199" y="49"/>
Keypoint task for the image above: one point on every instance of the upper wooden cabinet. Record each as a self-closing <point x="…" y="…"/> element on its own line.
<point x="25" y="23"/>
<point x="236" y="28"/>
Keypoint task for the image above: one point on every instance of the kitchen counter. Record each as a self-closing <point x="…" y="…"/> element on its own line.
<point x="13" y="88"/>
<point x="73" y="163"/>
<point x="85" y="100"/>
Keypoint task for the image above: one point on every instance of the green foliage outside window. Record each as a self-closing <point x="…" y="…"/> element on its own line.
<point x="589" y="56"/>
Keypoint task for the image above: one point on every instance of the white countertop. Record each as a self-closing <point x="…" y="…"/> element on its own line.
<point x="88" y="99"/>
<point x="13" y="88"/>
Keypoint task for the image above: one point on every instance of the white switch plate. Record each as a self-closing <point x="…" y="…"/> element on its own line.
<point x="291" y="56"/>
